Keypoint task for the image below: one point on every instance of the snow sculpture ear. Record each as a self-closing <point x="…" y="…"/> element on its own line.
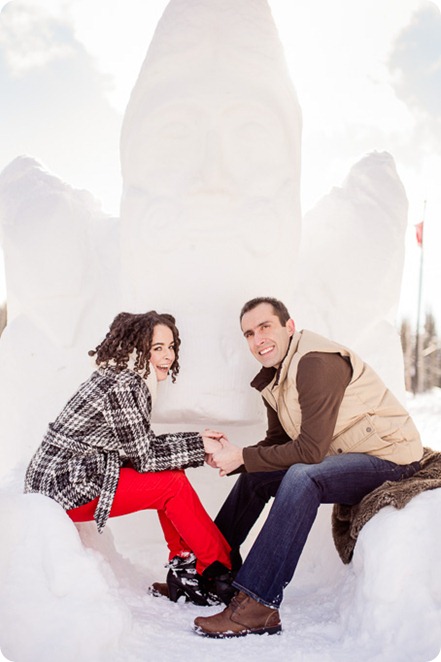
<point x="50" y="232"/>
<point x="358" y="283"/>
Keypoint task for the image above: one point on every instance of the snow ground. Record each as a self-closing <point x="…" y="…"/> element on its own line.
<point x="66" y="597"/>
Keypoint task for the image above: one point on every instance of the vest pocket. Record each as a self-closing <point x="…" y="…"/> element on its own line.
<point x="361" y="437"/>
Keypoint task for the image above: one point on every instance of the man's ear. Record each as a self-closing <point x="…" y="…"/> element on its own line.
<point x="290" y="325"/>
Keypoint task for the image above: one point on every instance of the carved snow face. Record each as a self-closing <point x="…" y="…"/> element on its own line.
<point x="213" y="163"/>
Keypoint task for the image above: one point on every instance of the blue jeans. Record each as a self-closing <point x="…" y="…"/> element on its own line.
<point x="243" y="506"/>
<point x="346" y="479"/>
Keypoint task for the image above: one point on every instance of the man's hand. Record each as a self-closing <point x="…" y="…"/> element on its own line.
<point x="228" y="458"/>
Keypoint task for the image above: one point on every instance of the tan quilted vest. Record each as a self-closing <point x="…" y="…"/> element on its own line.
<point x="370" y="420"/>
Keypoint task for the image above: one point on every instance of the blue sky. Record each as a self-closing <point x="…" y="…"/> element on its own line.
<point x="368" y="77"/>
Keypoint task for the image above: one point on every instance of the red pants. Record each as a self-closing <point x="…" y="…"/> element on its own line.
<point x="185" y="523"/>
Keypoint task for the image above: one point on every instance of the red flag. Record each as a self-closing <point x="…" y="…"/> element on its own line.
<point x="419" y="233"/>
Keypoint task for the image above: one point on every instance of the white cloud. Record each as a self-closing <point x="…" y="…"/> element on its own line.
<point x="415" y="61"/>
<point x="31" y="37"/>
<point x="120" y="44"/>
<point x="54" y="101"/>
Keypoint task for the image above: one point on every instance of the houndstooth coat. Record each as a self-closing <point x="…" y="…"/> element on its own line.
<point x="105" y="424"/>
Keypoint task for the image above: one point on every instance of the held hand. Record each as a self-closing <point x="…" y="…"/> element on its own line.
<point x="214" y="434"/>
<point x="209" y="460"/>
<point x="210" y="445"/>
<point x="228" y="458"/>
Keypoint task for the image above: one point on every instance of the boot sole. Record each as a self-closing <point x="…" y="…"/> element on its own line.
<point x="275" y="629"/>
<point x="157" y="594"/>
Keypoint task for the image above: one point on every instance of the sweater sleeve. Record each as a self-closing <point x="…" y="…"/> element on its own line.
<point x="127" y="412"/>
<point x="321" y="382"/>
<point x="275" y="434"/>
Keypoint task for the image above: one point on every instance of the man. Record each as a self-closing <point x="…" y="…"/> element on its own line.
<point x="335" y="433"/>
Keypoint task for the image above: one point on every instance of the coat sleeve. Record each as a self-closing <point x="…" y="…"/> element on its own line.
<point x="321" y="383"/>
<point x="127" y="412"/>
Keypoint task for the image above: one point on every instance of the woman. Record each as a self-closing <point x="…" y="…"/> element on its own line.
<point x="100" y="457"/>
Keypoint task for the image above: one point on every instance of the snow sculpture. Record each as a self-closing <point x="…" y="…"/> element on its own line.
<point x="54" y="243"/>
<point x="210" y="214"/>
<point x="62" y="277"/>
<point x="351" y="263"/>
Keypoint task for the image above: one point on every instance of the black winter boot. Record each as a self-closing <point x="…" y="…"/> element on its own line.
<point x="218" y="582"/>
<point x="183" y="580"/>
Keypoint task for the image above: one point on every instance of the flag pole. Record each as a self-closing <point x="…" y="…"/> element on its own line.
<point x="417" y="376"/>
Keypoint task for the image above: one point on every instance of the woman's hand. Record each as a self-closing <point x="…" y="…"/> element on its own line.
<point x="213" y="434"/>
<point x="211" y="445"/>
<point x="209" y="460"/>
<point x="211" y="439"/>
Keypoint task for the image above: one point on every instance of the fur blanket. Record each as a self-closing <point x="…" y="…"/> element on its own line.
<point x="347" y="521"/>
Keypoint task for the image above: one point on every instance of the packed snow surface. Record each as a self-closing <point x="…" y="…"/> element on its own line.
<point x="68" y="594"/>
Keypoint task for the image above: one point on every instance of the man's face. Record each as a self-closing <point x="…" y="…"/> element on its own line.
<point x="267" y="339"/>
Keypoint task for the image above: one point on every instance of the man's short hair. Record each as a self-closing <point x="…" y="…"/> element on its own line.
<point x="279" y="308"/>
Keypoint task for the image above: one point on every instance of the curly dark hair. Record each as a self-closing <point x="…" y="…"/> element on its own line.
<point x="279" y="308"/>
<point x="131" y="332"/>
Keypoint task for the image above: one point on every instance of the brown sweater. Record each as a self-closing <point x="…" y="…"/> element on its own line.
<point x="322" y="378"/>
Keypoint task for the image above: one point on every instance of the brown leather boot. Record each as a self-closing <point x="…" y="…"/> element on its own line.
<point x="159" y="589"/>
<point x="244" y="615"/>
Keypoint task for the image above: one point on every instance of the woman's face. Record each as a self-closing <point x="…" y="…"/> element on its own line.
<point x="162" y="353"/>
